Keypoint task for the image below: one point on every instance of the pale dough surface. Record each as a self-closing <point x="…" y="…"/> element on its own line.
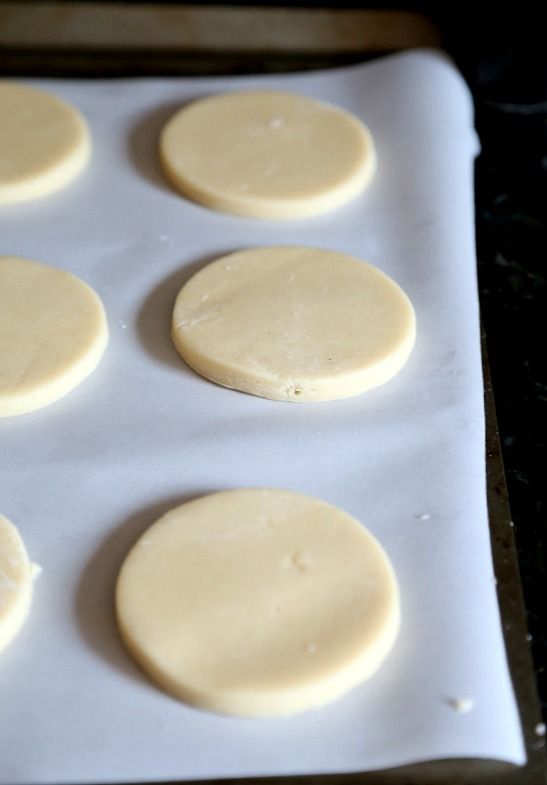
<point x="16" y="578"/>
<point x="44" y="143"/>
<point x="267" y="154"/>
<point x="53" y="332"/>
<point x="293" y="323"/>
<point x="258" y="602"/>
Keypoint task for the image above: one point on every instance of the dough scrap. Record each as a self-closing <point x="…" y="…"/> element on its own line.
<point x="293" y="323"/>
<point x="257" y="602"/>
<point x="16" y="579"/>
<point x="53" y="333"/>
<point x="267" y="154"/>
<point x="44" y="143"/>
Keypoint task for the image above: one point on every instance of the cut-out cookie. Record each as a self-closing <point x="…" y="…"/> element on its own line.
<point x="53" y="333"/>
<point x="16" y="578"/>
<point x="258" y="602"/>
<point x="267" y="154"/>
<point x="44" y="143"/>
<point x="293" y="323"/>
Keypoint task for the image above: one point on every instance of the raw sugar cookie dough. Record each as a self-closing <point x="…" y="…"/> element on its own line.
<point x="44" y="143"/>
<point x="53" y="332"/>
<point x="258" y="602"/>
<point x="267" y="154"/>
<point x="16" y="578"/>
<point x="293" y="323"/>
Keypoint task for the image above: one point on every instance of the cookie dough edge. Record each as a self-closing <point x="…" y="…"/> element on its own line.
<point x="10" y="628"/>
<point x="300" y="390"/>
<point x="284" y="209"/>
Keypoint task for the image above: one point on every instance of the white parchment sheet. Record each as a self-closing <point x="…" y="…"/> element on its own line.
<point x="84" y="477"/>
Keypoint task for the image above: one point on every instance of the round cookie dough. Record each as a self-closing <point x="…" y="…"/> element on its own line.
<point x="258" y="602"/>
<point x="267" y="154"/>
<point x="16" y="578"/>
<point x="44" y="143"/>
<point x="53" y="332"/>
<point x="293" y="323"/>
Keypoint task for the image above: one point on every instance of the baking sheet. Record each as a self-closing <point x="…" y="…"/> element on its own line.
<point x="83" y="478"/>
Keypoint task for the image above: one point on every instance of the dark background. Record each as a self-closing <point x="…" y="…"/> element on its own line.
<point x="503" y="57"/>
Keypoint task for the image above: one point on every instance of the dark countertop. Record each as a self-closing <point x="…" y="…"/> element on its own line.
<point x="503" y="57"/>
<point x="511" y="175"/>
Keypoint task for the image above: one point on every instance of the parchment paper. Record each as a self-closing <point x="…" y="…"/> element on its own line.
<point x="84" y="477"/>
